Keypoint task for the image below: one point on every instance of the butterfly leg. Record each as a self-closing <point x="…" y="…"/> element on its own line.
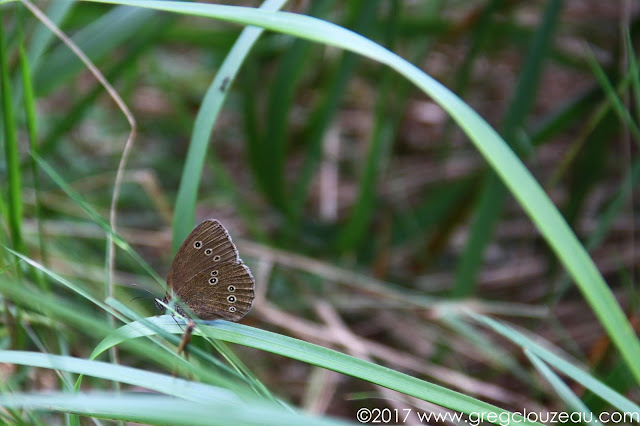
<point x="186" y="338"/>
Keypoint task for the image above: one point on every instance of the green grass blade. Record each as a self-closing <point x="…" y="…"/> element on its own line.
<point x="496" y="355"/>
<point x="273" y="149"/>
<point x="168" y="385"/>
<point x="560" y="387"/>
<point x="487" y="215"/>
<point x="320" y="121"/>
<point x="330" y="359"/>
<point x="57" y="278"/>
<point x="616" y="103"/>
<point x="226" y="181"/>
<point x="184" y="216"/>
<point x="114" y="28"/>
<point x="155" y="409"/>
<point x="85" y="322"/>
<point x="555" y="361"/>
<point x="494" y="193"/>
<point x="143" y="42"/>
<point x="362" y="211"/>
<point x="607" y="218"/>
<point x="42" y="36"/>
<point x="119" y="241"/>
<point x="30" y="116"/>
<point x="11" y="148"/>
<point x="166" y="326"/>
<point x="634" y="72"/>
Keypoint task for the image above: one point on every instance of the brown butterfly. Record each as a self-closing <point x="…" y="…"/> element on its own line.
<point x="209" y="277"/>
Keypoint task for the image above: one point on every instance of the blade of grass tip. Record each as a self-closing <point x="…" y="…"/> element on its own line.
<point x="30" y="115"/>
<point x="491" y="202"/>
<point x="494" y="149"/>
<point x="216" y="94"/>
<point x="560" y="387"/>
<point x="97" y="219"/>
<point x="617" y="104"/>
<point x="11" y="148"/>
<point x="568" y="369"/>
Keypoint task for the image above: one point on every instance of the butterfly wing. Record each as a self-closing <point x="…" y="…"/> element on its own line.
<point x="209" y="243"/>
<point x="220" y="291"/>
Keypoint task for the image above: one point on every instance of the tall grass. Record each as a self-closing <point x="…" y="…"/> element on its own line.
<point x="381" y="290"/>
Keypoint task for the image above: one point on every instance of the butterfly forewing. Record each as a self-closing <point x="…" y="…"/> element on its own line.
<point x="208" y="243"/>
<point x="220" y="292"/>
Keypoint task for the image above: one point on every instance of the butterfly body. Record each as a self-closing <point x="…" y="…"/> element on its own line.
<point x="209" y="277"/>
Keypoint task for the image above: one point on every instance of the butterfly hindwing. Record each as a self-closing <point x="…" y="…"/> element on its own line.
<point x="220" y="291"/>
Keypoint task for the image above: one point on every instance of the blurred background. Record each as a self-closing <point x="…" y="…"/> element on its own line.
<point x="365" y="214"/>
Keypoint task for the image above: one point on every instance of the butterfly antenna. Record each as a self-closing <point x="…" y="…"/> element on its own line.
<point x="141" y="288"/>
<point x="141" y="297"/>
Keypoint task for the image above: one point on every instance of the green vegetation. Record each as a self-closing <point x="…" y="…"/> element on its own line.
<point x="396" y="238"/>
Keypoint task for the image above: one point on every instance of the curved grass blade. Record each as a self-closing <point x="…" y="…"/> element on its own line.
<point x="166" y="326"/>
<point x="332" y="360"/>
<point x="561" y="388"/>
<point x="490" y="205"/>
<point x="118" y="240"/>
<point x="86" y="323"/>
<point x="154" y="409"/>
<point x="97" y="39"/>
<point x="168" y="385"/>
<point x="580" y="376"/>
<point x="184" y="215"/>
